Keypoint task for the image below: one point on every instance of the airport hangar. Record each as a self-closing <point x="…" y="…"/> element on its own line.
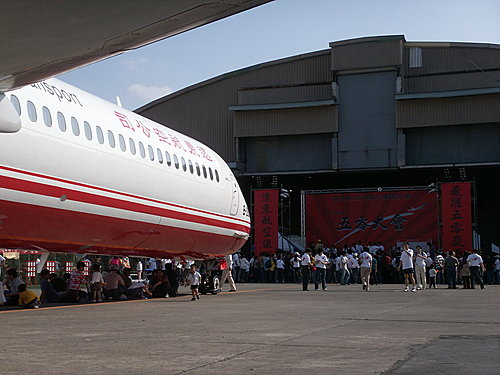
<point x="368" y="112"/>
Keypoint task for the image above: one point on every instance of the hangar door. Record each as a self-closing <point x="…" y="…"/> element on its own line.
<point x="367" y="130"/>
<point x="288" y="153"/>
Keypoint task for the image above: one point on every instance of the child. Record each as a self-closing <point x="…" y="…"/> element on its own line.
<point x="432" y="276"/>
<point x="194" y="279"/>
<point x="96" y="283"/>
<point x="27" y="299"/>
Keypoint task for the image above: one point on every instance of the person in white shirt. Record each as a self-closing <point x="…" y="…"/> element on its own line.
<point x="280" y="269"/>
<point x="366" y="268"/>
<point x="244" y="269"/>
<point x="295" y="263"/>
<point x="407" y="266"/>
<point x="305" y="263"/>
<point x="227" y="274"/>
<point x="476" y="265"/>
<point x="354" y="267"/>
<point x="420" y="259"/>
<point x="96" y="283"/>
<point x="151" y="264"/>
<point x="320" y="261"/>
<point x="194" y="279"/>
<point x="2" y="260"/>
<point x="344" y="264"/>
<point x="236" y="267"/>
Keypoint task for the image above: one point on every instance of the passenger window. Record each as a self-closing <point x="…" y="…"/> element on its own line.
<point x="88" y="130"/>
<point x="100" y="135"/>
<point x="121" y="141"/>
<point x="31" y="111"/>
<point x="142" y="150"/>
<point x="211" y="174"/>
<point x="204" y="172"/>
<point x="15" y="102"/>
<point x="47" y="117"/>
<point x="184" y="166"/>
<point x="61" y="121"/>
<point x="111" y="139"/>
<point x="167" y="158"/>
<point x="176" y="161"/>
<point x="160" y="155"/>
<point x="75" y="127"/>
<point x="198" y="172"/>
<point x="217" y="175"/>
<point x="151" y="153"/>
<point x="131" y="145"/>
<point x="191" y="168"/>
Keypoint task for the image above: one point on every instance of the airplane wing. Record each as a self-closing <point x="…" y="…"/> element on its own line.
<point x="40" y="39"/>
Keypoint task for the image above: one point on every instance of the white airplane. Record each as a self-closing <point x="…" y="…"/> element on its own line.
<point x="79" y="174"/>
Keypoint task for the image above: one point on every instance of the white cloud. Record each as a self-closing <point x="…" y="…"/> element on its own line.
<point x="149" y="92"/>
<point x="136" y="63"/>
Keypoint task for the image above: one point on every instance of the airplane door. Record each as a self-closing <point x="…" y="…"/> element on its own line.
<point x="235" y="201"/>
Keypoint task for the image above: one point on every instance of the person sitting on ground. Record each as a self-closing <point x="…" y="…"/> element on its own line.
<point x="76" y="280"/>
<point x="194" y="279"/>
<point x="58" y="283"/>
<point x="27" y="299"/>
<point x="13" y="281"/>
<point x="2" y="294"/>
<point x="49" y="294"/>
<point x="96" y="283"/>
<point x="66" y="277"/>
<point x="134" y="290"/>
<point x="114" y="286"/>
<point x="160" y="285"/>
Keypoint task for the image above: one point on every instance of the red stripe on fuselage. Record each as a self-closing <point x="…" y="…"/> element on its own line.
<point x="28" y="226"/>
<point x="84" y="197"/>
<point x="34" y="174"/>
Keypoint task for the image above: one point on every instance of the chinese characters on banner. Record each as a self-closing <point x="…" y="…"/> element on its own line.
<point x="343" y="218"/>
<point x="266" y="221"/>
<point x="457" y="216"/>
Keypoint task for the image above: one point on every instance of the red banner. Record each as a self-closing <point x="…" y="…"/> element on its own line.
<point x="456" y="210"/>
<point x="266" y="221"/>
<point x="340" y="219"/>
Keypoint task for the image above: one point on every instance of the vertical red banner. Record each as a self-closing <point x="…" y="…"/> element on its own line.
<point x="456" y="208"/>
<point x="265" y="221"/>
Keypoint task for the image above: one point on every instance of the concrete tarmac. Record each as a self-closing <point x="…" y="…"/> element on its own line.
<point x="263" y="329"/>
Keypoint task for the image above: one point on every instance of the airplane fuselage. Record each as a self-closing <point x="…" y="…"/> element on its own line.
<point x="85" y="175"/>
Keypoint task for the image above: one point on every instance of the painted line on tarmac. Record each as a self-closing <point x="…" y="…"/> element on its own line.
<point x="107" y="303"/>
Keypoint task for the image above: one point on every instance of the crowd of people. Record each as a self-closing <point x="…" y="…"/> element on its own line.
<point x="162" y="279"/>
<point x="367" y="265"/>
<point x="320" y="265"/>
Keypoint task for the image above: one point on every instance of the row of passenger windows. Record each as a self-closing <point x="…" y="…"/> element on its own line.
<point x="159" y="155"/>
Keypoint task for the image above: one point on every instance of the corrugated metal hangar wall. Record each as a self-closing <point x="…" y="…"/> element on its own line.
<point x="378" y="102"/>
<point x="346" y="113"/>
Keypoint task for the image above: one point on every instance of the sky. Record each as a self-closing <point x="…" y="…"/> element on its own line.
<point x="275" y="30"/>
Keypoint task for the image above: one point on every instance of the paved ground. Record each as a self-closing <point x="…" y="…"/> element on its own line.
<point x="263" y="329"/>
